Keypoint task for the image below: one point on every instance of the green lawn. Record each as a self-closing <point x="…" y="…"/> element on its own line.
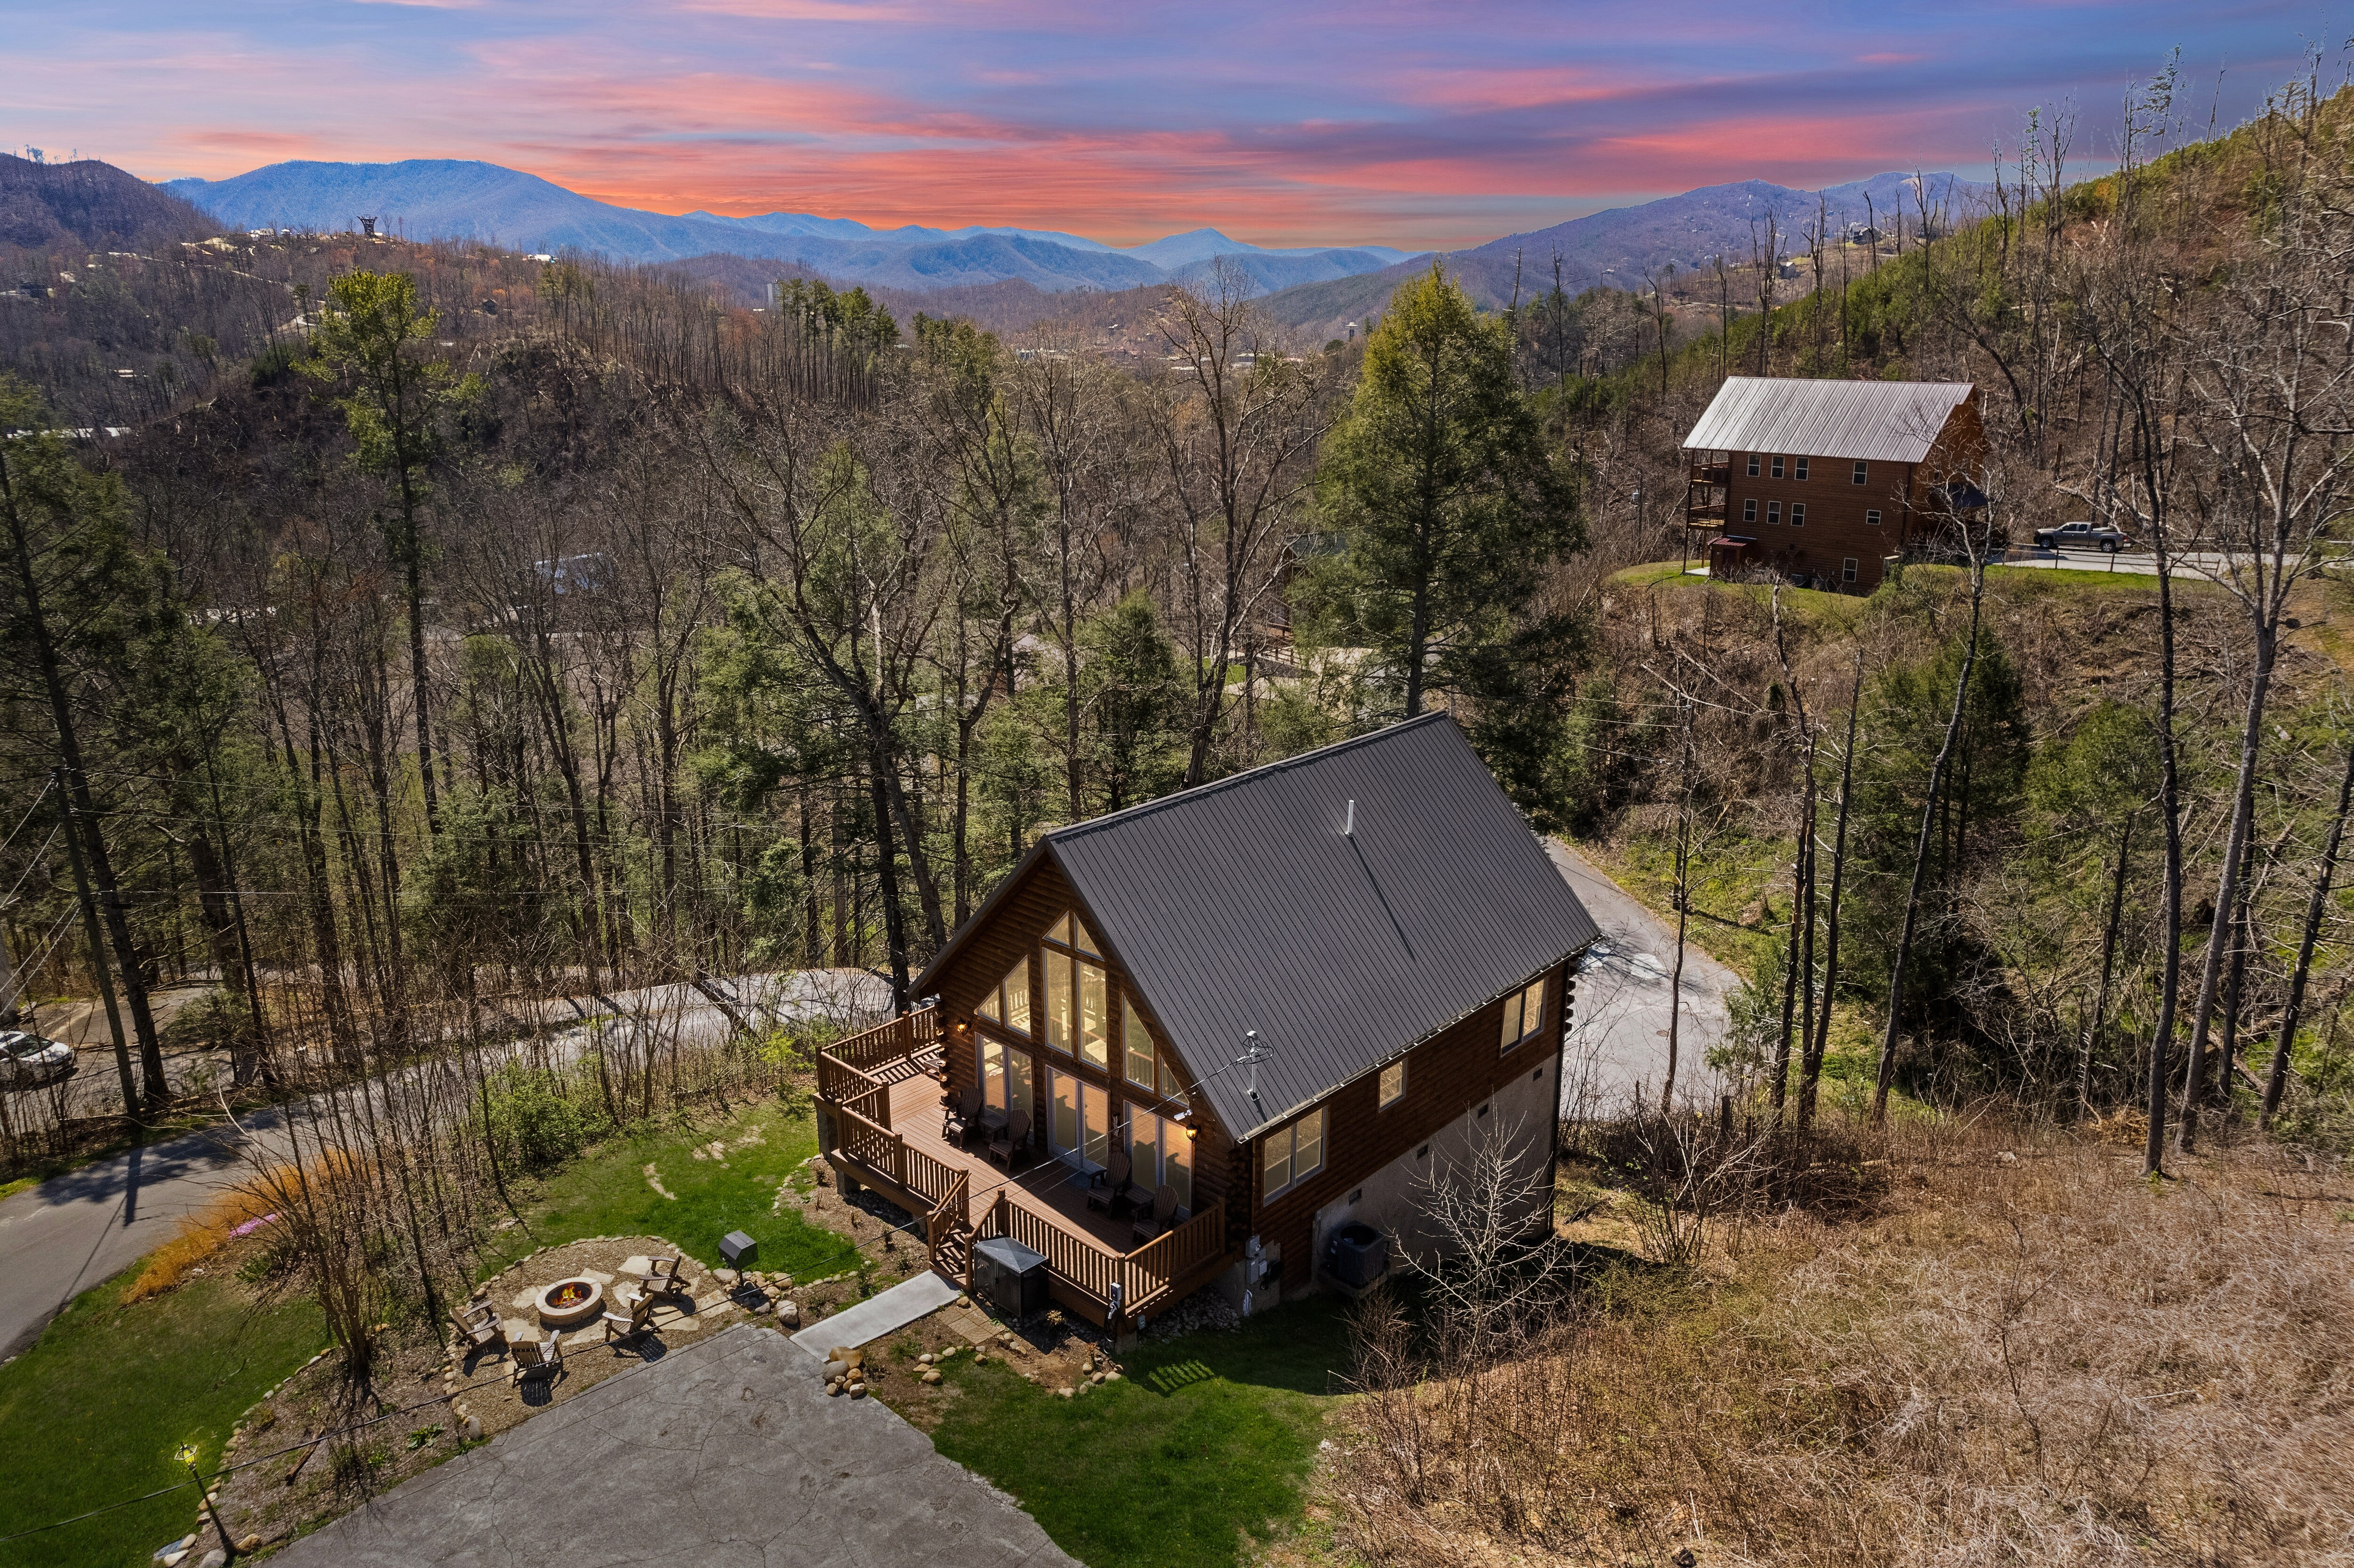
<point x="605" y="1191"/>
<point x="95" y="1412"/>
<point x="1207" y="1437"/>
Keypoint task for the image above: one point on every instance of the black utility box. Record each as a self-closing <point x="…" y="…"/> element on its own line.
<point x="740" y="1250"/>
<point x="1009" y="1276"/>
<point x="1359" y="1254"/>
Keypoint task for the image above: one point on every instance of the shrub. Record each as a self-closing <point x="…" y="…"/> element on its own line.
<point x="536" y="1119"/>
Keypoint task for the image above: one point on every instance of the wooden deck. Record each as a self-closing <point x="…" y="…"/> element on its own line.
<point x="881" y="1091"/>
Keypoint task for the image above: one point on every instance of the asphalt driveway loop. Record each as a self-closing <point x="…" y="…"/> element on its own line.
<point x="728" y="1452"/>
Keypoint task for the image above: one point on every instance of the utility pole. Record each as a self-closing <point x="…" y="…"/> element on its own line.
<point x="97" y="946"/>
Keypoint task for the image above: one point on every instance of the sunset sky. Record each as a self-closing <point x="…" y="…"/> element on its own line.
<point x="1429" y="124"/>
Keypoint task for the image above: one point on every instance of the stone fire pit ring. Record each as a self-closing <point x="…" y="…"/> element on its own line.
<point x="568" y="1303"/>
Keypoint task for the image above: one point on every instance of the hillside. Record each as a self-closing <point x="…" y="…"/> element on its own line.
<point x="1620" y="247"/>
<point x="90" y="204"/>
<point x="453" y="199"/>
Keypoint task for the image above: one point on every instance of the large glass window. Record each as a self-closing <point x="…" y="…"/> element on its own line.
<point x="1292" y="1154"/>
<point x="1078" y="997"/>
<point x="1060" y="1021"/>
<point x="1161" y="1155"/>
<point x="1523" y="1013"/>
<point x="1005" y="1075"/>
<point x="1079" y="1124"/>
<point x="1136" y="1044"/>
<point x="1095" y="1016"/>
<point x="1008" y="1002"/>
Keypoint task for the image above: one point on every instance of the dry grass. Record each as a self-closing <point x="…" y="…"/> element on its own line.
<point x="200" y="1236"/>
<point x="2029" y="1355"/>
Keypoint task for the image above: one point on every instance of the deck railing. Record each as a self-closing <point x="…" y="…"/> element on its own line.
<point x="908" y="1034"/>
<point x="875" y="1146"/>
<point x="946" y="1218"/>
<point x="1152" y="1270"/>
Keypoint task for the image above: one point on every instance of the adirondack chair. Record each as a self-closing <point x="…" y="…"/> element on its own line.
<point x="1164" y="1209"/>
<point x="637" y="1320"/>
<point x="1109" y="1188"/>
<point x="661" y="1279"/>
<point x="962" y="1116"/>
<point x="478" y="1326"/>
<point x="536" y="1358"/>
<point x="1009" y="1141"/>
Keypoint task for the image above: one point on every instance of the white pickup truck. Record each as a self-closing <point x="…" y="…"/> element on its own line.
<point x="2081" y="536"/>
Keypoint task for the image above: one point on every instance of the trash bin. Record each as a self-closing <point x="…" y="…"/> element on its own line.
<point x="1009" y="1276"/>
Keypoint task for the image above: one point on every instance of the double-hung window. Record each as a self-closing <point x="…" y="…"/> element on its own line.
<point x="1523" y="1014"/>
<point x="1078" y="996"/>
<point x="1777" y="468"/>
<point x="1007" y="1003"/>
<point x="1862" y="471"/>
<point x="1773" y="511"/>
<point x="1392" y="1084"/>
<point x="1802" y="469"/>
<point x="1871" y="519"/>
<point x="1291" y="1154"/>
<point x="1749" y="509"/>
<point x="1753" y="465"/>
<point x="1797" y="515"/>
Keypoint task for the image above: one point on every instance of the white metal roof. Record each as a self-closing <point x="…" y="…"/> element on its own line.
<point x="1874" y="421"/>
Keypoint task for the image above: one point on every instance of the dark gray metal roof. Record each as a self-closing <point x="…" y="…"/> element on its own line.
<point x="1242" y="905"/>
<point x="1869" y="421"/>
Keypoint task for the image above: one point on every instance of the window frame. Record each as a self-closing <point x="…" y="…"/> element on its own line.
<point x="1777" y="465"/>
<point x="1862" y="471"/>
<point x="1289" y="1133"/>
<point x="1749" y="509"/>
<point x="1773" y="514"/>
<point x="995" y="997"/>
<point x="1515" y="1013"/>
<point x="1797" y="515"/>
<point x="1872" y="517"/>
<point x="1847" y="568"/>
<point x="1753" y="465"/>
<point x="1069" y="941"/>
<point x="1800" y="471"/>
<point x="1385" y="1094"/>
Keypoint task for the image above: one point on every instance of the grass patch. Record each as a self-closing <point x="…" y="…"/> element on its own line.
<point x="1742" y="879"/>
<point x="606" y="1191"/>
<point x="94" y="1412"/>
<point x="1204" y="1440"/>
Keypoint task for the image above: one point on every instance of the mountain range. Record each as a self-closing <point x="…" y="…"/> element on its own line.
<point x="452" y="199"/>
<point x="89" y="202"/>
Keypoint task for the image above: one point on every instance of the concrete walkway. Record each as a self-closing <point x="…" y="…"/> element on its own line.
<point x="877" y="1315"/>
<point x="726" y="1452"/>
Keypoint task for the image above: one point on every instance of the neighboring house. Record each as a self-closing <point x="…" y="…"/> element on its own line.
<point x="1288" y="996"/>
<point x="1825" y="480"/>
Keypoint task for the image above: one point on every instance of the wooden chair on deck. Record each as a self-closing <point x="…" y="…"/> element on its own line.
<point x="1113" y="1188"/>
<point x="962" y="1116"/>
<point x="1164" y="1209"/>
<point x="1009" y="1139"/>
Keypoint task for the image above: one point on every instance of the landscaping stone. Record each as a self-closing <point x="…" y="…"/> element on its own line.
<point x="931" y="1375"/>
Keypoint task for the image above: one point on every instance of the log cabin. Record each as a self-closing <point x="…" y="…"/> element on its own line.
<point x="1824" y="481"/>
<point x="1199" y="1036"/>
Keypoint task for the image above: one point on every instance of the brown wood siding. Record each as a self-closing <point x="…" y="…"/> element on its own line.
<point x="1015" y="928"/>
<point x="1446" y="1075"/>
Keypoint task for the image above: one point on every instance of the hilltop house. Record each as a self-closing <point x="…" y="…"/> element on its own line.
<point x="1275" y="1002"/>
<point x="1823" y="481"/>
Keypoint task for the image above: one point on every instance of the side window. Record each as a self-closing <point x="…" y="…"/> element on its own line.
<point x="1802" y="468"/>
<point x="1847" y="569"/>
<point x="1753" y="465"/>
<point x="1777" y="468"/>
<point x="1393" y="1083"/>
<point x="1749" y="509"/>
<point x="1797" y="515"/>
<point x="1136" y="1044"/>
<point x="1294" y="1153"/>
<point x="1871" y="519"/>
<point x="1862" y="471"/>
<point x="1773" y="511"/>
<point x="1523" y="1014"/>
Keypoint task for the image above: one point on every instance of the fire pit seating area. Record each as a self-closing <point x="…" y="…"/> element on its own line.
<point x="571" y="1294"/>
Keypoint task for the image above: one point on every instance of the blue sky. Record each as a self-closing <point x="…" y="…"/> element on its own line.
<point x="1429" y="124"/>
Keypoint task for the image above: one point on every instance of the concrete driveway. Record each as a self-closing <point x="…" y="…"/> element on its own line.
<point x="724" y="1451"/>
<point x="1618" y="1033"/>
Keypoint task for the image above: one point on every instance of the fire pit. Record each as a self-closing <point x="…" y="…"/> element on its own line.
<point x="568" y="1303"/>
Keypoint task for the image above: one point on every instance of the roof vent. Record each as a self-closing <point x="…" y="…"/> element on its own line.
<point x="1349" y="828"/>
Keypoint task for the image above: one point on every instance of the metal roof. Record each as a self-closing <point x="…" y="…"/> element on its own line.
<point x="1244" y="906"/>
<point x="1870" y="421"/>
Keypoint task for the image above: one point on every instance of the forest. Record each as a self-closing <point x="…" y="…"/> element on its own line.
<point x="446" y="633"/>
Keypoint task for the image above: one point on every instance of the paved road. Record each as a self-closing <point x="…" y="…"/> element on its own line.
<point x="73" y="1231"/>
<point x="1619" y="1035"/>
<point x="724" y="1452"/>
<point x="2202" y="565"/>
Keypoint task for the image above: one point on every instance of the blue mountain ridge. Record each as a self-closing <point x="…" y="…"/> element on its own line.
<point x="466" y="199"/>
